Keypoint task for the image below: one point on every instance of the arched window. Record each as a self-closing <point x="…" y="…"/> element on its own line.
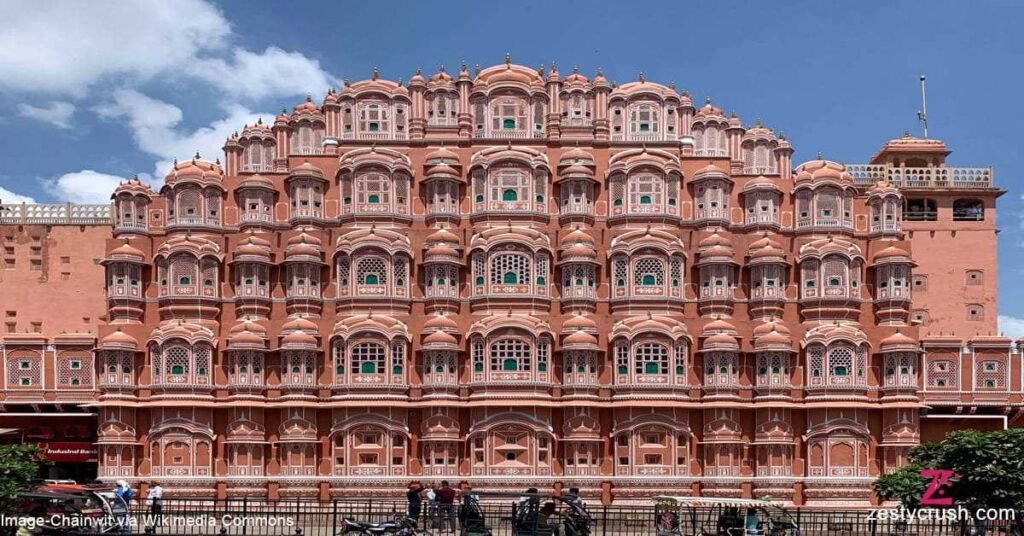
<point x="646" y="193"/>
<point x="371" y="271"/>
<point x="838" y="364"/>
<point x="651" y="358"/>
<point x="510" y="355"/>
<point x="509" y="185"/>
<point x="649" y="271"/>
<point x="368" y="358"/>
<point x="968" y="210"/>
<point x="510" y="269"/>
<point x="644" y="121"/>
<point x="374" y="118"/>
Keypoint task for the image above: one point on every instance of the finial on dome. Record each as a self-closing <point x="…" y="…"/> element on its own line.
<point x="554" y="66"/>
<point x="376" y="74"/>
<point x="820" y="156"/>
<point x="540" y="70"/>
<point x="419" y="71"/>
<point x="757" y="122"/>
<point x="346" y="82"/>
<point x="672" y="85"/>
<point x="197" y="157"/>
<point x="309" y="97"/>
<point x="216" y="160"/>
<point x="441" y="68"/>
<point x="575" y="69"/>
<point x="401" y="82"/>
<point x="476" y="69"/>
<point x="707" y="100"/>
<point x="284" y="111"/>
<point x="259" y="121"/>
<point x="782" y="135"/>
<point x="508" y="59"/>
<point x="684" y="93"/>
<point x="462" y="66"/>
<point x="641" y="78"/>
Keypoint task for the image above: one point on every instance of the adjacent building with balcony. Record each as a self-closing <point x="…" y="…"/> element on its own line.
<point x="515" y="278"/>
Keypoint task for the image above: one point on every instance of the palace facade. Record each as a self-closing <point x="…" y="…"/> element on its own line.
<point x="511" y="278"/>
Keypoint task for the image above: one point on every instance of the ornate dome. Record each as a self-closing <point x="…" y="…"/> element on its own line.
<point x="823" y="171"/>
<point x="441" y="322"/>
<point x="126" y="252"/>
<point x="441" y="340"/>
<point x="898" y="342"/>
<point x="580" y="340"/>
<point x="119" y="340"/>
<point x="196" y="170"/>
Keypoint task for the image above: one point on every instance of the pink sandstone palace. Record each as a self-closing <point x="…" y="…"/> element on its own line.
<point x="511" y="277"/>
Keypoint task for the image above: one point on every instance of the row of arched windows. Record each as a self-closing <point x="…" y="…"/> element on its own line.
<point x="511" y="271"/>
<point x="511" y="358"/>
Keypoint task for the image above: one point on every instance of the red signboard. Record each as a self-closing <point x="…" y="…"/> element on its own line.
<point x="65" y="451"/>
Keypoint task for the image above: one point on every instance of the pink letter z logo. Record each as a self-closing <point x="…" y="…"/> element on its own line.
<point x="937" y="493"/>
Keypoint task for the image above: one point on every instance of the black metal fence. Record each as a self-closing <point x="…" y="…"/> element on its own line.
<point x="290" y="517"/>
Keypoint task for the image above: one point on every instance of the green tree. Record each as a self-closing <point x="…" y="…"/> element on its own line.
<point x="19" y="470"/>
<point x="990" y="466"/>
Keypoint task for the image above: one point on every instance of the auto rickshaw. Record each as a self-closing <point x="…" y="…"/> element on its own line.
<point x="68" y="507"/>
<point x="707" y="516"/>
<point x="539" y="514"/>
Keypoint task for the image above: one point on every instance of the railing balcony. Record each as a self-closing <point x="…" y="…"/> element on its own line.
<point x="885" y="227"/>
<point x="774" y="471"/>
<point x="308" y="151"/>
<point x="711" y="152"/>
<point x="373" y="136"/>
<point x="760" y="170"/>
<point x="255" y="217"/>
<point x="55" y="214"/>
<point x="763" y="219"/>
<point x="510" y="134"/>
<point x="257" y="168"/>
<point x="577" y="122"/>
<point x="130" y="226"/>
<point x="927" y="177"/>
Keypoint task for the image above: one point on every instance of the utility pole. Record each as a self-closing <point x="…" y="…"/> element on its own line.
<point x="922" y="114"/>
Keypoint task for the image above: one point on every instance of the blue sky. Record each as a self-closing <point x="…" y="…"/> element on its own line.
<point x="88" y="96"/>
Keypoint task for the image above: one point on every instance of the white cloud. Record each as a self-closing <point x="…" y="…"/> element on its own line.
<point x="56" y="113"/>
<point x="59" y="47"/>
<point x="272" y="72"/>
<point x="154" y="124"/>
<point x="86" y="186"/>
<point x="1011" y="326"/>
<point x="8" y="197"/>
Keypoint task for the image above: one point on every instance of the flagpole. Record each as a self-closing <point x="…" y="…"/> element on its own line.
<point x="923" y="114"/>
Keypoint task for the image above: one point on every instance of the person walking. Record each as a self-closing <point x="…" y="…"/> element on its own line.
<point x="446" y="504"/>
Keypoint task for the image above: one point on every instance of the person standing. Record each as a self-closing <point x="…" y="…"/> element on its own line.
<point x="415" y="497"/>
<point x="156" y="500"/>
<point x="125" y="494"/>
<point x="446" y="505"/>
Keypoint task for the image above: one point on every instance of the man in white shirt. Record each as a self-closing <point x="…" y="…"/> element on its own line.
<point x="155" y="496"/>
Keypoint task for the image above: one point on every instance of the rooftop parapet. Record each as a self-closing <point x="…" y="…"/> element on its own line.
<point x="56" y="214"/>
<point x="971" y="178"/>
